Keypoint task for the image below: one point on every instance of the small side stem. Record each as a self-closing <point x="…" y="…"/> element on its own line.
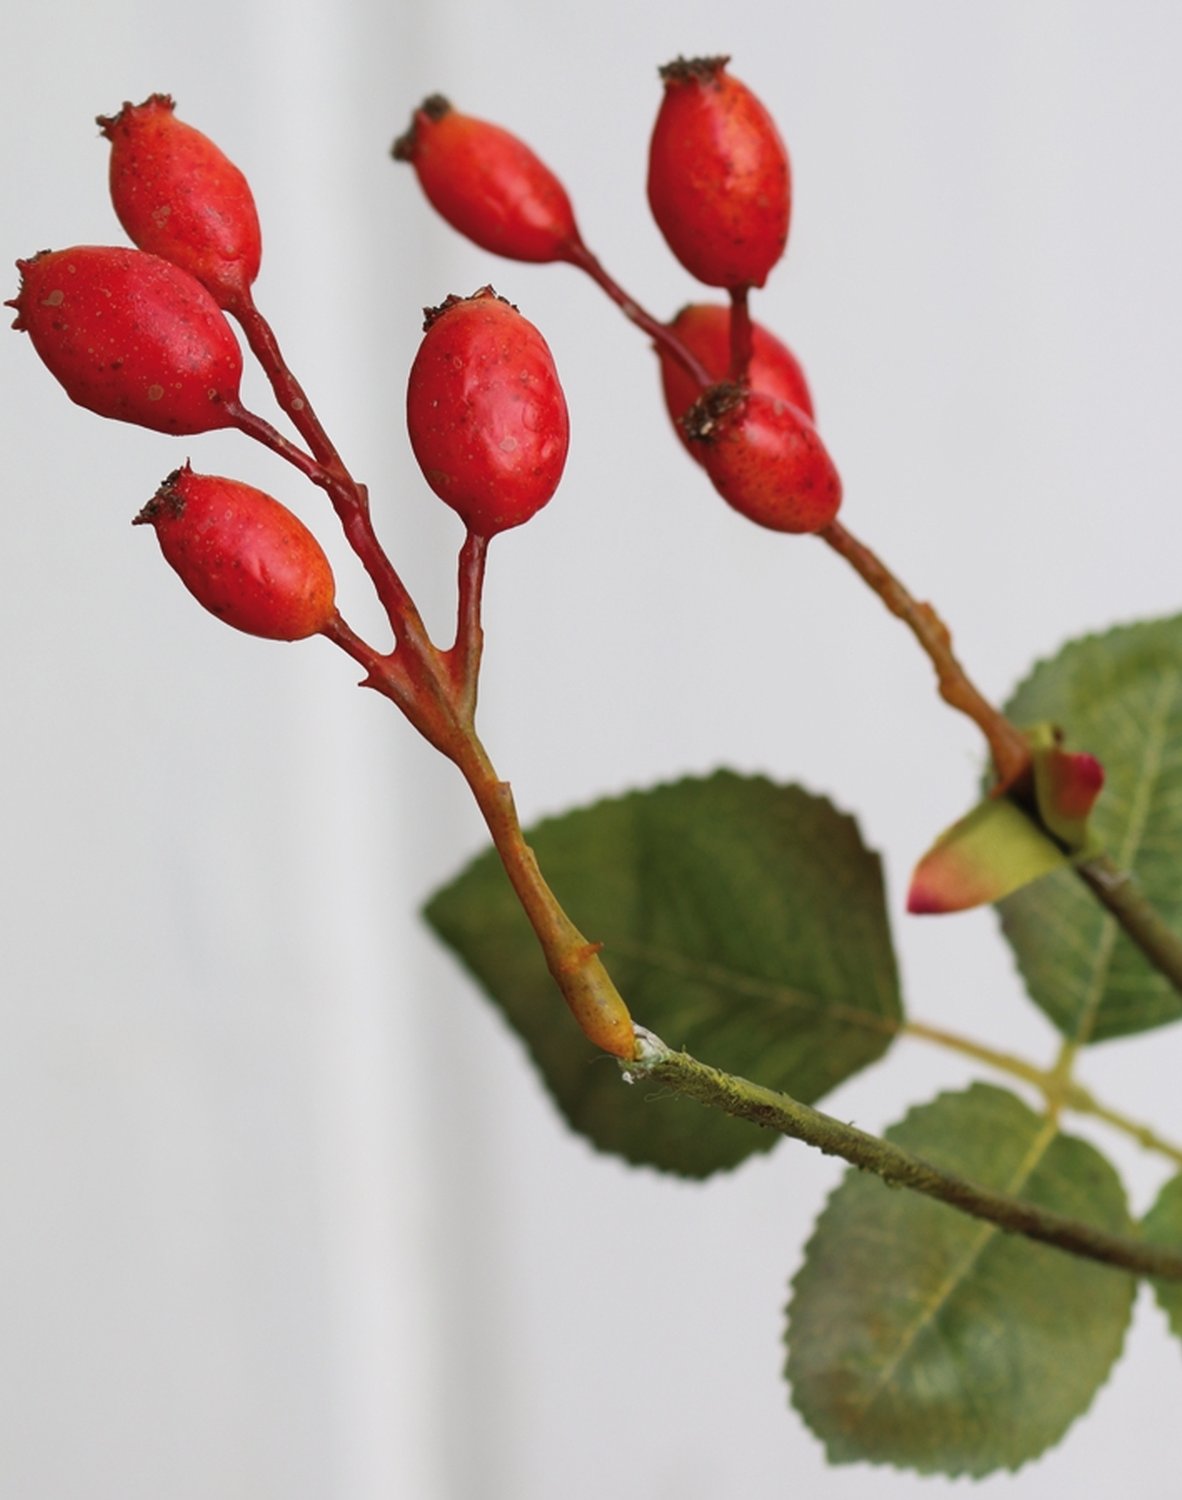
<point x="289" y="393"/>
<point x="465" y="656"/>
<point x="1080" y="1099"/>
<point x="1119" y="893"/>
<point x="1003" y="1062"/>
<point x="1011" y="754"/>
<point x="660" y="333"/>
<point x="257" y="428"/>
<point x="741" y="335"/>
<point x="326" y="469"/>
<point x="739" y="1097"/>
<point x="351" y="503"/>
<point x="1056" y="1084"/>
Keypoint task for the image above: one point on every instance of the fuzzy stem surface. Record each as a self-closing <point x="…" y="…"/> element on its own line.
<point x="685" y="1075"/>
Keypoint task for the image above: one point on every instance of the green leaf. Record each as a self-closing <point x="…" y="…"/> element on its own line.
<point x="1162" y="1225"/>
<point x="742" y="920"/>
<point x="1119" y="697"/>
<point x="922" y="1338"/>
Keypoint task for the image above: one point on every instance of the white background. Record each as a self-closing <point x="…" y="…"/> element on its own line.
<point x="283" y="1210"/>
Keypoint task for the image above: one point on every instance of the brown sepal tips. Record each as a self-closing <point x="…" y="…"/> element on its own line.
<point x="693" y="69"/>
<point x="108" y="123"/>
<point x="434" y="106"/>
<point x="166" y="499"/>
<point x="701" y="421"/>
<point x="433" y="314"/>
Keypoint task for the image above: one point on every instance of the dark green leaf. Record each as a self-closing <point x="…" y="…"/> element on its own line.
<point x="1162" y="1225"/>
<point x="742" y="920"/>
<point x="926" y="1339"/>
<point x="1118" y="696"/>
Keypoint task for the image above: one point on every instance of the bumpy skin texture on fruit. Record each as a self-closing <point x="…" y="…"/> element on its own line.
<point x="242" y="555"/>
<point x="178" y="196"/>
<point x="705" y="330"/>
<point x="131" y="336"/>
<point x="764" y="458"/>
<point x="486" y="413"/>
<point x="719" y="183"/>
<point x="488" y="184"/>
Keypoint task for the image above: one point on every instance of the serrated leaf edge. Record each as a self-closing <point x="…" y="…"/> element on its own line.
<point x="988" y="1231"/>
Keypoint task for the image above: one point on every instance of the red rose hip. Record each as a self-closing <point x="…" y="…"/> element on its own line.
<point x="178" y="196"/>
<point x="488" y="184"/>
<point x="705" y="330"/>
<point x="486" y="414"/>
<point x="132" y="337"/>
<point x="765" y="459"/>
<point x="242" y="555"/>
<point x="719" y="183"/>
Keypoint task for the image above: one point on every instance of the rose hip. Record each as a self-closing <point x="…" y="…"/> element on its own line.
<point x="178" y="196"/>
<point x="486" y="413"/>
<point x="131" y="336"/>
<point x="765" y="459"/>
<point x="705" y="330"/>
<point x="488" y="184"/>
<point x="242" y="555"/>
<point x="718" y="179"/>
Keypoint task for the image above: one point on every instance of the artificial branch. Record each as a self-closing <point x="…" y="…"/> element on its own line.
<point x="324" y="468"/>
<point x="686" y="1076"/>
<point x="465" y="655"/>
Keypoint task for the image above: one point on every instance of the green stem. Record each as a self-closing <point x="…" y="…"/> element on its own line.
<point x="1055" y="1084"/>
<point x="1118" y="891"/>
<point x="1003" y="1062"/>
<point x="1081" y="1100"/>
<point x="685" y="1075"/>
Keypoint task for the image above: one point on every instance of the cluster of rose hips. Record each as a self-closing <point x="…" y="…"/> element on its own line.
<point x="719" y="186"/>
<point x="142" y="335"/>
